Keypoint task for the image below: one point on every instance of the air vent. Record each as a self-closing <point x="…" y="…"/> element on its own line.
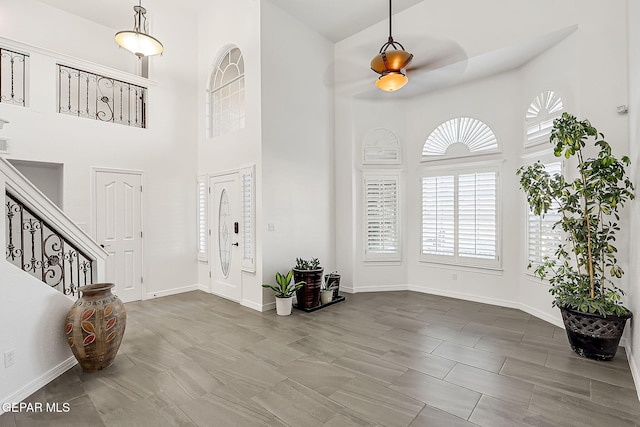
<point x="5" y="148"/>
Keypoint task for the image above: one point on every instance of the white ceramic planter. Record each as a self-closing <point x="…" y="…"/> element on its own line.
<point x="283" y="306"/>
<point x="326" y="296"/>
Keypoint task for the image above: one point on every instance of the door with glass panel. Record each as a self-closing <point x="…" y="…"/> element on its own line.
<point x="225" y="262"/>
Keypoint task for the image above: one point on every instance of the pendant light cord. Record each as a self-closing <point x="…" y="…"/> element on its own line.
<point x="390" y="37"/>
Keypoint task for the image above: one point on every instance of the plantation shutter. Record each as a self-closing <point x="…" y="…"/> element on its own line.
<point x="438" y="215"/>
<point x="477" y="215"/>
<point x="202" y="218"/>
<point x="247" y="209"/>
<point x="542" y="238"/>
<point x="382" y="215"/>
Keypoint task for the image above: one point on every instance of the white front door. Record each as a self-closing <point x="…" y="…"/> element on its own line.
<point x="118" y="220"/>
<point x="225" y="238"/>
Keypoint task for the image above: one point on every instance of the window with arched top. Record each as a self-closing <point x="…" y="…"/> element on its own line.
<point x="459" y="137"/>
<point x="542" y="111"/>
<point x="225" y="103"/>
<point x="381" y="146"/>
<point x="461" y="213"/>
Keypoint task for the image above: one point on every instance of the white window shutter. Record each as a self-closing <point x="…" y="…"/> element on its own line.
<point x="477" y="215"/>
<point x="382" y="197"/>
<point x="438" y="215"/>
<point x="202" y="218"/>
<point x="248" y="220"/>
<point x="542" y="238"/>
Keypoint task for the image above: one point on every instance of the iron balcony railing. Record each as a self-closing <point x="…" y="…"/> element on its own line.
<point x="37" y="248"/>
<point x="86" y="94"/>
<point x="13" y="77"/>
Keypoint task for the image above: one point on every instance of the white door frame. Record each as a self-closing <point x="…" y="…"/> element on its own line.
<point x="94" y="214"/>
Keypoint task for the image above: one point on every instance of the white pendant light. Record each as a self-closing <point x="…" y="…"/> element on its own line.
<point x="390" y="63"/>
<point x="138" y="41"/>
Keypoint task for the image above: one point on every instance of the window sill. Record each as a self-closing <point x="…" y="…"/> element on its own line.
<point x="492" y="270"/>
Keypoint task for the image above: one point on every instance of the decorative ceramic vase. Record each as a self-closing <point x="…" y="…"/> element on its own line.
<point x="95" y="326"/>
<point x="283" y="306"/>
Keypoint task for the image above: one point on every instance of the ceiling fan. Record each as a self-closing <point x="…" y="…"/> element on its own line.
<point x="391" y="62"/>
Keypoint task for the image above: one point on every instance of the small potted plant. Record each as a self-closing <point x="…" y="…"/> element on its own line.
<point x="284" y="292"/>
<point x="309" y="272"/>
<point x="584" y="268"/>
<point x="326" y="292"/>
<point x="332" y="281"/>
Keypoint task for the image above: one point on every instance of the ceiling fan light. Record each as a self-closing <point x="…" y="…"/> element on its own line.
<point x="391" y="60"/>
<point x="392" y="81"/>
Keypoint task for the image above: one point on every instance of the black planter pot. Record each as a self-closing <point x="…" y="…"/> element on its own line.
<point x="592" y="335"/>
<point x="309" y="295"/>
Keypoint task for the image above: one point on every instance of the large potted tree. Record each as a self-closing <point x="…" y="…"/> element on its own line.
<point x="583" y="272"/>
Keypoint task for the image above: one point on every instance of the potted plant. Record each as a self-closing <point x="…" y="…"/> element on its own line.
<point x="583" y="271"/>
<point x="309" y="272"/>
<point x="284" y="292"/>
<point x="332" y="281"/>
<point x="326" y="292"/>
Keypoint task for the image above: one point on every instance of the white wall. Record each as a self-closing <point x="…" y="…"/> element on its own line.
<point x="221" y="25"/>
<point x="297" y="144"/>
<point x="34" y="330"/>
<point x="48" y="177"/>
<point x="633" y="271"/>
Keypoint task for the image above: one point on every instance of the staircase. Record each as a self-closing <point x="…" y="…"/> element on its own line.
<point x="42" y="241"/>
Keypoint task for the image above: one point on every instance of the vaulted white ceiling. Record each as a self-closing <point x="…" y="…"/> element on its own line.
<point x="334" y="19"/>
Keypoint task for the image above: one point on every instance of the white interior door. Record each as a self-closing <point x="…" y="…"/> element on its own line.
<point x="119" y="229"/>
<point x="225" y="238"/>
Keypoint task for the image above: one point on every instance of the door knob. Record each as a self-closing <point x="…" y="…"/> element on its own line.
<point x="235" y="244"/>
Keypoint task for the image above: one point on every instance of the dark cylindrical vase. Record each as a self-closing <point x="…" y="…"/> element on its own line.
<point x="95" y="326"/>
<point x="309" y="295"/>
<point x="592" y="335"/>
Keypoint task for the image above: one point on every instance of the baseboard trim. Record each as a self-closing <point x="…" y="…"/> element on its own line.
<point x="39" y="382"/>
<point x="174" y="291"/>
<point x="391" y="288"/>
<point x="258" y="307"/>
<point x="635" y="374"/>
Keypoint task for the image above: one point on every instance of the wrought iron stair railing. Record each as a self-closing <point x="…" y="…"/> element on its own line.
<point x="36" y="247"/>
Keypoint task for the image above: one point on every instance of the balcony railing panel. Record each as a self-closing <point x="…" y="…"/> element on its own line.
<point x="13" y="77"/>
<point x="86" y="94"/>
<point x="35" y="247"/>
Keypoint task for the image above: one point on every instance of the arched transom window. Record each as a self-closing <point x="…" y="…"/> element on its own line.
<point x="226" y="111"/>
<point x="542" y="111"/>
<point x="458" y="137"/>
<point x="381" y="146"/>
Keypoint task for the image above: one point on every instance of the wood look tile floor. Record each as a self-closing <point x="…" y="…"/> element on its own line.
<point x="377" y="359"/>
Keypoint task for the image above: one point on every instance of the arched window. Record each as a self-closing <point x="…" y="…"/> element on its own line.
<point x="542" y="111"/>
<point x="462" y="136"/>
<point x="381" y="146"/>
<point x="225" y="112"/>
<point x="461" y="202"/>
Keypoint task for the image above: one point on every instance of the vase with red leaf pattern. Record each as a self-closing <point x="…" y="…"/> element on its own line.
<point x="95" y="326"/>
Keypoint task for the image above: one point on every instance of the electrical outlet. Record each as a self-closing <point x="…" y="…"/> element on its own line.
<point x="454" y="276"/>
<point x="9" y="358"/>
